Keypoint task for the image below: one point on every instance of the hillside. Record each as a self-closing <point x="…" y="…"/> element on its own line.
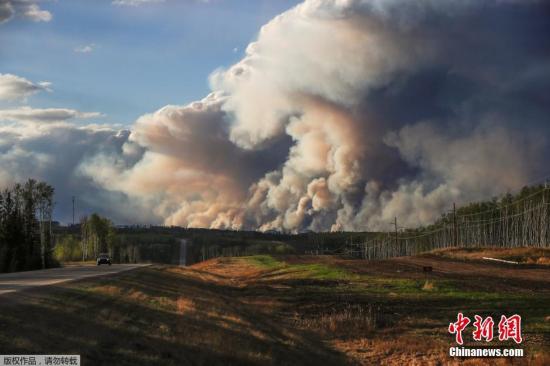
<point x="278" y="310"/>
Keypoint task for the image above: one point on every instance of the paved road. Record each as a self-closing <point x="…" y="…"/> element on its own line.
<point x="12" y="282"/>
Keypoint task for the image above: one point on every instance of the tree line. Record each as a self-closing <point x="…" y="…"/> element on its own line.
<point x="520" y="220"/>
<point x="26" y="239"/>
<point x="98" y="234"/>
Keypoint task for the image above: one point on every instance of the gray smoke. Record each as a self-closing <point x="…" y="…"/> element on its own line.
<point x="345" y="114"/>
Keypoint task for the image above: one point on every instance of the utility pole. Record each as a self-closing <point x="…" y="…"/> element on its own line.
<point x="455" y="227"/>
<point x="73" y="210"/>
<point x="395" y="224"/>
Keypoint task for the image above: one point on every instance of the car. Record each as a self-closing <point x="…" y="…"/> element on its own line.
<point x="103" y="258"/>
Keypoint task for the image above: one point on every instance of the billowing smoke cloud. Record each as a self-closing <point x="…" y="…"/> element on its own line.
<point x="345" y="114"/>
<point x="25" y="8"/>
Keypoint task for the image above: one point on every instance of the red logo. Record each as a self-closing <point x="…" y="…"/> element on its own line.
<point x="457" y="328"/>
<point x="508" y="328"/>
<point x="484" y="328"/>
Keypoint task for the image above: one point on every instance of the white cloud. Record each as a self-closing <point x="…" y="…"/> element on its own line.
<point x="13" y="87"/>
<point x="144" y="2"/>
<point x="28" y="114"/>
<point x="135" y="2"/>
<point x="54" y="153"/>
<point x="85" y="48"/>
<point x="6" y="11"/>
<point x="25" y="8"/>
<point x="34" y="13"/>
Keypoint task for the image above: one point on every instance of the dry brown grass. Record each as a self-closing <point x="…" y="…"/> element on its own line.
<point x="400" y="350"/>
<point x="184" y="305"/>
<point x="227" y="311"/>
<point x="159" y="315"/>
<point x="414" y="350"/>
<point x="526" y="255"/>
<point x="78" y="263"/>
<point x="346" y="322"/>
<point x="540" y="359"/>
<point x="136" y="295"/>
<point x="108" y="290"/>
<point x="428" y="286"/>
<point x="542" y="260"/>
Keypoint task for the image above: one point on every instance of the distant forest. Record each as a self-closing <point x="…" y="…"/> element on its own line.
<point x="160" y="244"/>
<point x="26" y="227"/>
<point x="28" y="240"/>
<point x="508" y="205"/>
<point x="96" y="234"/>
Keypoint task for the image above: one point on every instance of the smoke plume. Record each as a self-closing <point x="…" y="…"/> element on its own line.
<point x="344" y="114"/>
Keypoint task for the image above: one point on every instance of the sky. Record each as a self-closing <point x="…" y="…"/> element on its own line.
<point x="127" y="60"/>
<point x="274" y="115"/>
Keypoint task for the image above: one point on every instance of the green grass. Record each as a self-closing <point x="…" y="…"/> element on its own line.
<point x="381" y="285"/>
<point x="425" y="309"/>
<point x="317" y="271"/>
<point x="265" y="262"/>
<point x="323" y="272"/>
<point x="442" y="300"/>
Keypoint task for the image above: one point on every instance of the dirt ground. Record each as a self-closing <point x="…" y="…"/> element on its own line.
<point x="291" y="310"/>
<point x="510" y="277"/>
<point x="397" y="345"/>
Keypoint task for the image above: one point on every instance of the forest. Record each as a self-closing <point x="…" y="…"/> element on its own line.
<point x="510" y="221"/>
<point x="96" y="234"/>
<point x="28" y="241"/>
<point x="26" y="227"/>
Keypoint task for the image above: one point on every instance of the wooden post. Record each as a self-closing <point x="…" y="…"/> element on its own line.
<point x="395" y="223"/>
<point x="455" y="227"/>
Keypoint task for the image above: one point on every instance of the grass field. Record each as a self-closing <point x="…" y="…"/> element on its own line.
<point x="278" y="310"/>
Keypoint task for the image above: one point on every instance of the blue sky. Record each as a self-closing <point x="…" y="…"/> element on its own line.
<point x="142" y="58"/>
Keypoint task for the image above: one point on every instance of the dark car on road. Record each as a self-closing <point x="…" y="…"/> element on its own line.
<point x="103" y="259"/>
